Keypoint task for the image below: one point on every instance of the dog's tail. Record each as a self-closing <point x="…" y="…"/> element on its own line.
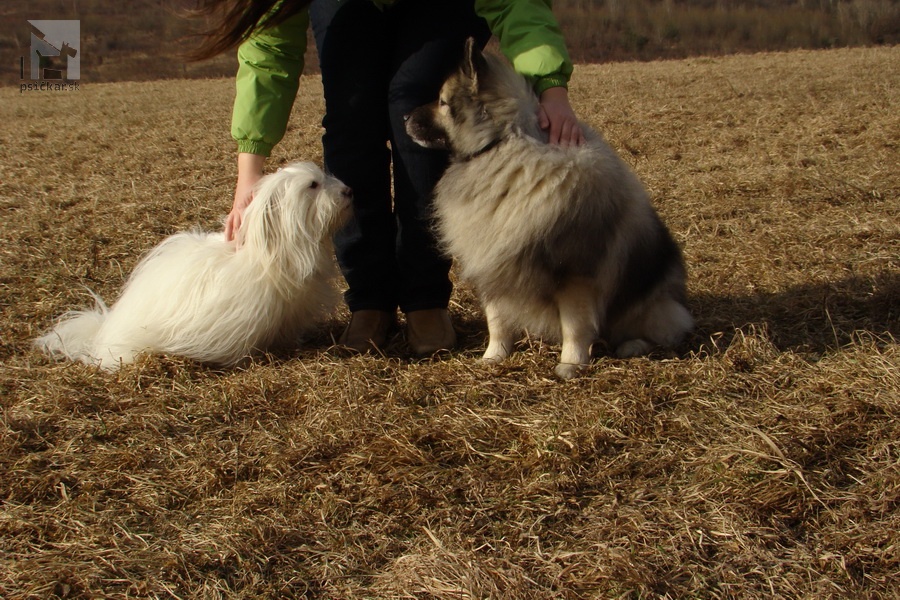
<point x="74" y="334"/>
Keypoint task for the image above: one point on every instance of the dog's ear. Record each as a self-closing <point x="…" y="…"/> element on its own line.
<point x="474" y="63"/>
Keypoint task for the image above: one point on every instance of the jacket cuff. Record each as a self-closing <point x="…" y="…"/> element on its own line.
<point x="549" y="81"/>
<point x="255" y="147"/>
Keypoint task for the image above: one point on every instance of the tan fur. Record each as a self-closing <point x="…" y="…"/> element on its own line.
<point x="560" y="241"/>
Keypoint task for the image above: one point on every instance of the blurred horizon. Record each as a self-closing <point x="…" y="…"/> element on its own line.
<point x="146" y="40"/>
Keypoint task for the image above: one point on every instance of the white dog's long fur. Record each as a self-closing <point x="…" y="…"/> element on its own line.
<point x="198" y="296"/>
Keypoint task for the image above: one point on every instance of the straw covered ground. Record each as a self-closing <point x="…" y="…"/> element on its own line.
<point x="761" y="459"/>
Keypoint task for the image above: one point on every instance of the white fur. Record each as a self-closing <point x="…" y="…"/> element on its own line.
<point x="198" y="296"/>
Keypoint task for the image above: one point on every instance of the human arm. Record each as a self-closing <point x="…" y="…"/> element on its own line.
<point x="531" y="39"/>
<point x="269" y="68"/>
<point x="250" y="170"/>
<point x="270" y="63"/>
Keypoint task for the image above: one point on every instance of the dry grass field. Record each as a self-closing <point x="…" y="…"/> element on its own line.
<point x="760" y="460"/>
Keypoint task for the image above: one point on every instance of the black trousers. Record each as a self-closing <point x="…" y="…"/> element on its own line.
<point x="377" y="66"/>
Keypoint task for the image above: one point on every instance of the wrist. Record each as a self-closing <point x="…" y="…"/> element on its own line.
<point x="250" y="166"/>
<point x="554" y="93"/>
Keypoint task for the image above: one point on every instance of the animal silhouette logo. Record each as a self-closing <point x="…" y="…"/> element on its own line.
<point x="55" y="50"/>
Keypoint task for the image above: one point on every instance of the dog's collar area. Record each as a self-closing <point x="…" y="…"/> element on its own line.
<point x="484" y="150"/>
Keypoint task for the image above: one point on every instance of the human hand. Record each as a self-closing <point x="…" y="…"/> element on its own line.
<point x="557" y="116"/>
<point x="250" y="170"/>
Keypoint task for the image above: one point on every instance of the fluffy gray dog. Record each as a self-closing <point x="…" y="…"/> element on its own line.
<point x="560" y="241"/>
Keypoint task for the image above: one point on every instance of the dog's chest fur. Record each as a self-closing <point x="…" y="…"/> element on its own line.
<point x="526" y="216"/>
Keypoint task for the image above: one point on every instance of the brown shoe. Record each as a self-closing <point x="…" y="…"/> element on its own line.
<point x="367" y="330"/>
<point x="428" y="331"/>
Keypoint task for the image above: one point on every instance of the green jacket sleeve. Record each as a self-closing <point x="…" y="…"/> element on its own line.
<point x="530" y="38"/>
<point x="269" y="67"/>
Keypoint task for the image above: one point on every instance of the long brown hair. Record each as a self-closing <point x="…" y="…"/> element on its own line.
<point x="236" y="20"/>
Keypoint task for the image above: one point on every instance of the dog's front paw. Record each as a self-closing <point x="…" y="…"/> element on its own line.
<point x="493" y="358"/>
<point x="495" y="353"/>
<point x="569" y="370"/>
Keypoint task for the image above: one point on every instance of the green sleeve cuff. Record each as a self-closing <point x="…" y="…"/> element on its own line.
<point x="550" y="81"/>
<point x="255" y="147"/>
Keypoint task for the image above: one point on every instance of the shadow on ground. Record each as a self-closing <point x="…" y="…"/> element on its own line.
<point x="815" y="317"/>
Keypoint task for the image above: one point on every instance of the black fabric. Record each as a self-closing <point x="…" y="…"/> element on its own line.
<point x="377" y="66"/>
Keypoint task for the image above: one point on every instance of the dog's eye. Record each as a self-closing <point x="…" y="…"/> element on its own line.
<point x="313" y="185"/>
<point x="442" y="102"/>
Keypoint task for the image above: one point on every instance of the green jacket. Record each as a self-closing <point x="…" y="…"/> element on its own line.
<point x="271" y="61"/>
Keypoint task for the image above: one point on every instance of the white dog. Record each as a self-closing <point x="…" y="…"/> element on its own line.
<point x="198" y="296"/>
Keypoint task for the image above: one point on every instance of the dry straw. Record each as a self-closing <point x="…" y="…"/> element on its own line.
<point x="759" y="460"/>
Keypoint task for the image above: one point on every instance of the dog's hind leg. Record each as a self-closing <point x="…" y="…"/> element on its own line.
<point x="663" y="323"/>
<point x="633" y="347"/>
<point x="502" y="337"/>
<point x="579" y="325"/>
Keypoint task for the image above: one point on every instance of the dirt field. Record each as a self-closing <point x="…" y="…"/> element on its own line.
<point x="762" y="459"/>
